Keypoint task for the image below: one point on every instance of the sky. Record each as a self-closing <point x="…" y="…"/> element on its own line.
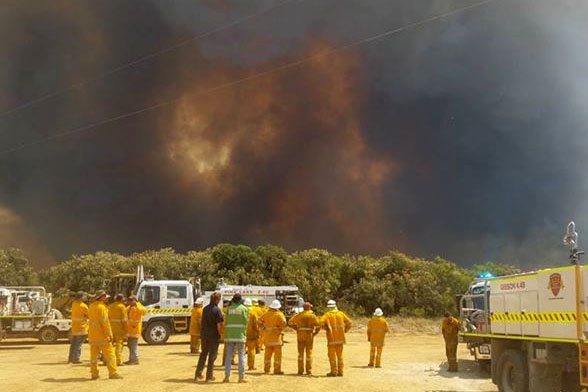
<point x="135" y="125"/>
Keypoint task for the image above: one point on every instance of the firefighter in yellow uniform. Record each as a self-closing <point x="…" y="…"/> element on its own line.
<point x="262" y="309"/>
<point x="135" y="311"/>
<point x="307" y="326"/>
<point x="79" y="327"/>
<point x="376" y="331"/>
<point x="336" y="323"/>
<point x="117" y="313"/>
<point x="252" y="335"/>
<point x="450" y="329"/>
<point x="100" y="337"/>
<point x="273" y="322"/>
<point x="195" y="325"/>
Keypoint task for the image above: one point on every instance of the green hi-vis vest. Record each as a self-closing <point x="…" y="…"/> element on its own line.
<point x="236" y="323"/>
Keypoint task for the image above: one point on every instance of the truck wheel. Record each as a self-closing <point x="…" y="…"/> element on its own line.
<point x="157" y="332"/>
<point x="48" y="335"/>
<point x="513" y="373"/>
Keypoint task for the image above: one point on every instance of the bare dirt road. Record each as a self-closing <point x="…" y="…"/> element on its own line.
<point x="411" y="363"/>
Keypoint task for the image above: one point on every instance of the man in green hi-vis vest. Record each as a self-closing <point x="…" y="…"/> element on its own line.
<point x="236" y="335"/>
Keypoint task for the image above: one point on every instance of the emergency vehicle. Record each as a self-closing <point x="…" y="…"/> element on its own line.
<point x="533" y="326"/>
<point x="25" y="312"/>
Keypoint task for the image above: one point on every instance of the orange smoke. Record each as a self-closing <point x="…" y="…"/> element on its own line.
<point x="291" y="143"/>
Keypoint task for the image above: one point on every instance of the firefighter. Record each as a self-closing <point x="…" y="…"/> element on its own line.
<point x="79" y="327"/>
<point x="100" y="336"/>
<point x="117" y="313"/>
<point x="376" y="331"/>
<point x="306" y="325"/>
<point x="273" y="322"/>
<point x="195" y="321"/>
<point x="450" y="329"/>
<point x="336" y="323"/>
<point x="262" y="309"/>
<point x="252" y="335"/>
<point x="135" y="311"/>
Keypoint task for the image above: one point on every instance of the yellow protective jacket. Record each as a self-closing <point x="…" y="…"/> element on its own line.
<point x="135" y="322"/>
<point x="306" y="325"/>
<point x="79" y="318"/>
<point x="99" y="332"/>
<point x="377" y="330"/>
<point x="117" y="313"/>
<point x="196" y="321"/>
<point x="273" y="323"/>
<point x="336" y="323"/>
<point x="252" y="326"/>
<point x="450" y="328"/>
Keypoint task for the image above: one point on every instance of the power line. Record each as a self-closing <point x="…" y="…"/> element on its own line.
<point x="66" y="133"/>
<point x="139" y="60"/>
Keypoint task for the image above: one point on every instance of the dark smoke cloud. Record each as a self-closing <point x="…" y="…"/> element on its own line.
<point x="463" y="138"/>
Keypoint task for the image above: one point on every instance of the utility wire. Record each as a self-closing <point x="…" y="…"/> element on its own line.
<point x="139" y="60"/>
<point x="66" y="133"/>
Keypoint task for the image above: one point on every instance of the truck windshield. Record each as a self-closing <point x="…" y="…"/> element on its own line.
<point x="149" y="295"/>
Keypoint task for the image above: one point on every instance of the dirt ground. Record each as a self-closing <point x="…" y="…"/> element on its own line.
<point x="411" y="363"/>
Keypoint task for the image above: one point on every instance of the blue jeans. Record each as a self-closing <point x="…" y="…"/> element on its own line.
<point x="231" y="346"/>
<point x="75" y="347"/>
<point x="133" y="349"/>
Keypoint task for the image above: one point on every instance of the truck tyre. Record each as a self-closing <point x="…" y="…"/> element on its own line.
<point x="157" y="332"/>
<point x="513" y="375"/>
<point x="48" y="335"/>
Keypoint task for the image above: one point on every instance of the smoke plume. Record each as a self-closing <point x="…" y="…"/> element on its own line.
<point x="463" y="138"/>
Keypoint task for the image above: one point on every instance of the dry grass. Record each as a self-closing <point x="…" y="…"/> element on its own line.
<point x="403" y="325"/>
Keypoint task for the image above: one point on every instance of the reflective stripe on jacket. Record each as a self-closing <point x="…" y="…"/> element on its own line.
<point x="273" y="323"/>
<point x="99" y="331"/>
<point x="117" y="313"/>
<point x="336" y="323"/>
<point x="79" y="318"/>
<point x="306" y="324"/>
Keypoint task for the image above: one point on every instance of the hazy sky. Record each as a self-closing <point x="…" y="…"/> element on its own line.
<point x="465" y="137"/>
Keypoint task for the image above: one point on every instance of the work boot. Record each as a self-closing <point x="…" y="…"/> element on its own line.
<point x="211" y="379"/>
<point x="95" y="377"/>
<point x="242" y="380"/>
<point x="331" y="374"/>
<point x="300" y="372"/>
<point x="370" y="365"/>
<point x="278" y="372"/>
<point x="115" y="376"/>
<point x="226" y="379"/>
<point x="339" y="374"/>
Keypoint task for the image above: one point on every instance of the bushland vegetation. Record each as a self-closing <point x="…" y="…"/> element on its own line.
<point x="397" y="283"/>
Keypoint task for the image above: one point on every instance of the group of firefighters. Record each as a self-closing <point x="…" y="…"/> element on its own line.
<point x="248" y="327"/>
<point x="106" y="325"/>
<point x="108" y="322"/>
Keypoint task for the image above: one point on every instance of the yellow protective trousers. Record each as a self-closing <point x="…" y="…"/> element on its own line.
<point x="276" y="351"/>
<point x="251" y="346"/>
<point x="376" y="353"/>
<point x="335" y="352"/>
<point x="451" y="352"/>
<point x="107" y="356"/>
<point x="305" y="346"/>
<point x="118" y="342"/>
<point x="195" y="344"/>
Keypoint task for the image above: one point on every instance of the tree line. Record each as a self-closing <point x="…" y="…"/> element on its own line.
<point x="397" y="283"/>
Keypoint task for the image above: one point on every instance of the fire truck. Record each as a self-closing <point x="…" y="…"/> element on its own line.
<point x="532" y="327"/>
<point x="169" y="302"/>
<point x="26" y="312"/>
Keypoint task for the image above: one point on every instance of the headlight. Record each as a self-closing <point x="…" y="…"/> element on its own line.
<point x="484" y="349"/>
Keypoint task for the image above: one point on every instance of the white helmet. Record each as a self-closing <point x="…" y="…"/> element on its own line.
<point x="199" y="301"/>
<point x="247" y="302"/>
<point x="331" y="304"/>
<point x="275" y="304"/>
<point x="378" y="312"/>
